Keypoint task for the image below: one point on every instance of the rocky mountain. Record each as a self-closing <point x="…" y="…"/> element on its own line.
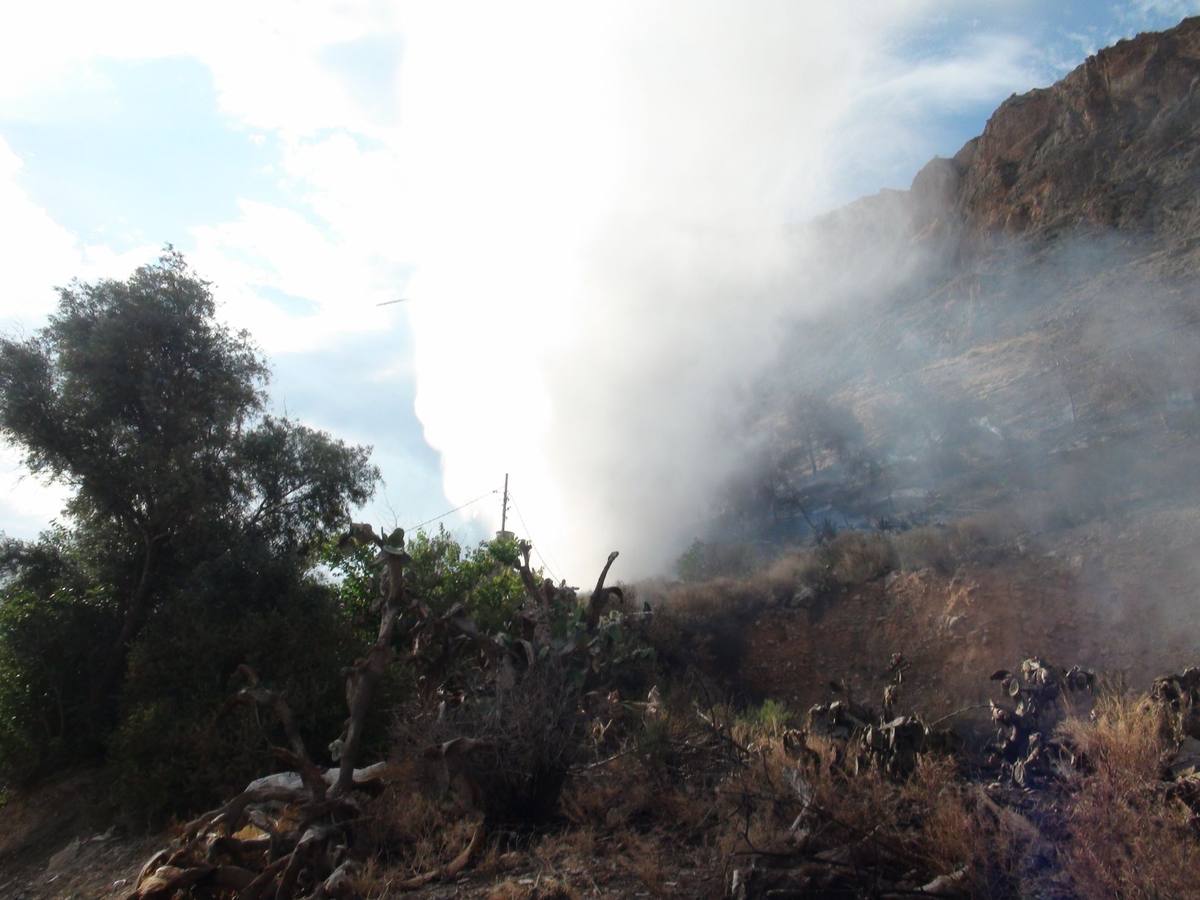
<point x="1016" y="351"/>
<point x="1111" y="146"/>
<point x="1041" y="284"/>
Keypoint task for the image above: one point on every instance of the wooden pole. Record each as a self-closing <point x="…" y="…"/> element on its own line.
<point x="504" y="508"/>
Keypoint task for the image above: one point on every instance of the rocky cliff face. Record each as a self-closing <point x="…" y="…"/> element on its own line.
<point x="1040" y="289"/>
<point x="1114" y="144"/>
<point x="1061" y="242"/>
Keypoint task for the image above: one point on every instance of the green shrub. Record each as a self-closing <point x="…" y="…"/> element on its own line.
<point x="442" y="572"/>
<point x="772" y="717"/>
<point x="46" y="649"/>
<point x="53" y="626"/>
<point x="181" y="744"/>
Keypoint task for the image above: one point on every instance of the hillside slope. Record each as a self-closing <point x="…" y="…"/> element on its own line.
<point x="1036" y="362"/>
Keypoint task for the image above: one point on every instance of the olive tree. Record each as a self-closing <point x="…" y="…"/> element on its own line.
<point x="151" y="411"/>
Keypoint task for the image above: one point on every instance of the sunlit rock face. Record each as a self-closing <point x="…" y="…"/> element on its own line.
<point x="1112" y="144"/>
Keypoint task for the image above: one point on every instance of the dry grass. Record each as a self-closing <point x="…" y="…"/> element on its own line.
<point x="933" y="823"/>
<point x="856" y="557"/>
<point x="1115" y="830"/>
<point x="944" y="548"/>
<point x="539" y="889"/>
<point x="1129" y="836"/>
<point x="414" y="828"/>
<point x="641" y="856"/>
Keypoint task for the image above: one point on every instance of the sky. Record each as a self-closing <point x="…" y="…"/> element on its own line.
<point x="561" y="191"/>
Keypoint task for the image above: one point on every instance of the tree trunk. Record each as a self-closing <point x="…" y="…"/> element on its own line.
<point x="365" y="673"/>
<point x="137" y="612"/>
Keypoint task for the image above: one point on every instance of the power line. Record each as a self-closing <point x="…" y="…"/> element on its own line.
<point x="456" y="509"/>
<point x="517" y="510"/>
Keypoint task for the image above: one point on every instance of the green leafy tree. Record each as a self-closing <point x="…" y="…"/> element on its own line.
<point x="441" y="572"/>
<point x="152" y="412"/>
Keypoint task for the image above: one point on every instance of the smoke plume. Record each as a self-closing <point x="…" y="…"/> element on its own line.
<point x="605" y="208"/>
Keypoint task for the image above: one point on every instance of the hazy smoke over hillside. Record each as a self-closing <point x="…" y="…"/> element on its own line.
<point x="606" y="222"/>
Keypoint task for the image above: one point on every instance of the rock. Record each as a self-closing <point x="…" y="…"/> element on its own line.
<point x="1186" y="760"/>
<point x="1088" y="149"/>
<point x="293" y="782"/>
<point x="341" y="882"/>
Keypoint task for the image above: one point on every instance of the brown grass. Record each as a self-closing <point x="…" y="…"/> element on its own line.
<point x="540" y="889"/>
<point x="944" y="548"/>
<point x="934" y="823"/>
<point x="414" y="828"/>
<point x="1129" y="836"/>
<point x="641" y="856"/>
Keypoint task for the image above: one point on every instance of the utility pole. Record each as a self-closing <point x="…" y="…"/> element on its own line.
<point x="504" y="508"/>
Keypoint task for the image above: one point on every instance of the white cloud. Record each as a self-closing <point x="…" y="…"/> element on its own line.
<point x="265" y="57"/>
<point x="282" y="249"/>
<point x="27" y="505"/>
<point x="37" y="253"/>
<point x="1154" y="10"/>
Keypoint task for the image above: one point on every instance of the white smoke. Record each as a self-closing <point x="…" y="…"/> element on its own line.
<point x="600" y="204"/>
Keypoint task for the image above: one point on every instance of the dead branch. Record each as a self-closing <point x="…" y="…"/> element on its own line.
<point x="312" y="841"/>
<point x="365" y="673"/>
<point x="265" y="879"/>
<point x="528" y="579"/>
<point x="451" y="870"/>
<point x="297" y="757"/>
<point x="601" y="594"/>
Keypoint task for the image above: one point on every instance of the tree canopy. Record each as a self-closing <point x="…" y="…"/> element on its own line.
<point x="154" y="414"/>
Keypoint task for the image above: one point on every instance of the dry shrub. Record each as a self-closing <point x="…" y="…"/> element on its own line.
<point x="641" y="856"/>
<point x="570" y="845"/>
<point x="929" y="547"/>
<point x="933" y="823"/>
<point x="981" y="538"/>
<point x="1128" y="836"/>
<point x="630" y="794"/>
<point x="615" y="796"/>
<point x="524" y="739"/>
<point x="704" y="625"/>
<point x="412" y="827"/>
<point x="856" y="557"/>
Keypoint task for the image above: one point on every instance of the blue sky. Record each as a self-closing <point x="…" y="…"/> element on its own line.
<point x="315" y="160"/>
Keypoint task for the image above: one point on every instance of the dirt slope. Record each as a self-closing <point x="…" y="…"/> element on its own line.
<point x="1118" y="598"/>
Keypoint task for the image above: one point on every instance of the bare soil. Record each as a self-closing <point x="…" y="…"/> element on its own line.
<point x="57" y="840"/>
